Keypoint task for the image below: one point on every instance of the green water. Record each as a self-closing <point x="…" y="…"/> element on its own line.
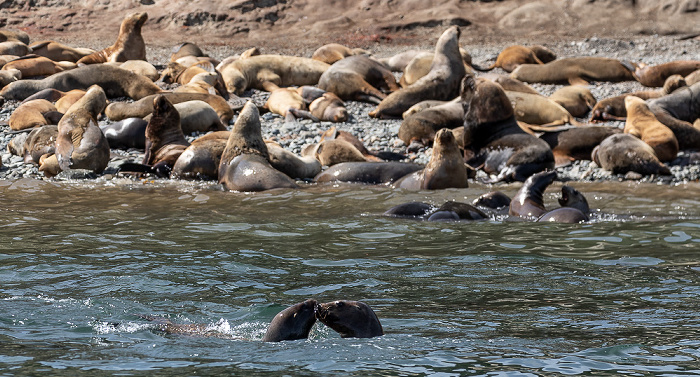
<point x="79" y="263"/>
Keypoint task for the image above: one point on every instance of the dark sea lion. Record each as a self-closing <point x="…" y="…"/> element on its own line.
<point x="57" y="51"/>
<point x="186" y="49"/>
<point x="41" y="141"/>
<point x="574" y="71"/>
<point x="455" y="211"/>
<point x="492" y="200"/>
<point x="283" y="71"/>
<point x="678" y="111"/>
<point x="128" y="46"/>
<point x="512" y="56"/>
<point x="358" y="78"/>
<point x="50" y="94"/>
<point x="351" y="319"/>
<point x="421" y="127"/>
<point x="410" y="210"/>
<point x="564" y="215"/>
<point x="570" y="197"/>
<point x="445" y="169"/>
<point x="510" y="84"/>
<point x="31" y="114"/>
<point x="576" y="143"/>
<point x="576" y="99"/>
<point x="245" y="162"/>
<point x="80" y="143"/>
<point x="642" y="123"/>
<point x="140" y="67"/>
<point x="196" y="116"/>
<point x="292" y="323"/>
<point x="165" y="140"/>
<point x="201" y="159"/>
<point x="528" y="202"/>
<point x="622" y="153"/>
<point x="125" y="134"/>
<point x="329" y="108"/>
<point x="116" y="82"/>
<point x="656" y="75"/>
<point x="32" y="65"/>
<point x="441" y="83"/>
<point x="332" y="52"/>
<point x="374" y="173"/>
<point x="492" y="137"/>
<point x="141" y="108"/>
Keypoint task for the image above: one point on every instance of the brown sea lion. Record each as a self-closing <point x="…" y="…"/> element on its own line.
<point x="141" y="108"/>
<point x="116" y="82"/>
<point x="358" y="78"/>
<point x="622" y="153"/>
<point x="183" y="75"/>
<point x="196" y="116"/>
<point x="373" y="173"/>
<point x="512" y="56"/>
<point x="30" y="114"/>
<point x="165" y="140"/>
<point x="576" y="143"/>
<point x="292" y="323"/>
<point x="245" y="162"/>
<point x="14" y="35"/>
<point x="539" y="110"/>
<point x="335" y="151"/>
<point x="32" y="65"/>
<point x="288" y="103"/>
<point x="528" y="202"/>
<point x="14" y="48"/>
<point x="642" y="123"/>
<point x="445" y="169"/>
<point x="57" y="51"/>
<point x="570" y="197"/>
<point x="693" y="78"/>
<point x="41" y="141"/>
<point x="332" y="52"/>
<point x="420" y="128"/>
<point x="68" y="99"/>
<point x="9" y="76"/>
<point x="492" y="138"/>
<point x="492" y="200"/>
<point x="510" y="84"/>
<point x="283" y="71"/>
<point x="398" y="62"/>
<point x="416" y="210"/>
<point x="656" y="75"/>
<point x="334" y="133"/>
<point x="678" y="111"/>
<point x="201" y="159"/>
<point x="305" y="167"/>
<point x="50" y="94"/>
<point x="128" y="46"/>
<point x="441" y="83"/>
<point x="80" y="143"/>
<point x="574" y="71"/>
<point x="351" y="319"/>
<point x="185" y="49"/>
<point x="576" y="99"/>
<point x="329" y="108"/>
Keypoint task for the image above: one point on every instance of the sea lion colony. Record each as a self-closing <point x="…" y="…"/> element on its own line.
<point x="498" y="124"/>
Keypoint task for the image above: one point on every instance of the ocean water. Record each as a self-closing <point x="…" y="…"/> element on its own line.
<point x="80" y="264"/>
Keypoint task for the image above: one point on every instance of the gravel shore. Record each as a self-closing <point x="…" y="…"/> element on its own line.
<point x="382" y="134"/>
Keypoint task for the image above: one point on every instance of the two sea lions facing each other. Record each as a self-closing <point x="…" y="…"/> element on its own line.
<point x="528" y="203"/>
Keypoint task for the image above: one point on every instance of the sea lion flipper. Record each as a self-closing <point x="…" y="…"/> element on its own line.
<point x="578" y="81"/>
<point x="303" y="114"/>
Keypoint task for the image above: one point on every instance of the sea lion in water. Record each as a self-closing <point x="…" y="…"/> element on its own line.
<point x="57" y="51"/>
<point x="528" y="202"/>
<point x="576" y="99"/>
<point x="410" y="210"/>
<point x="115" y="82"/>
<point x="642" y="123"/>
<point x="201" y="159"/>
<point x="351" y="319"/>
<point x="283" y="71"/>
<point x="332" y="52"/>
<point x="678" y="111"/>
<point x="128" y="46"/>
<point x="576" y="143"/>
<point x="292" y="323"/>
<point x="374" y="173"/>
<point x="656" y="75"/>
<point x="492" y="200"/>
<point x="456" y="211"/>
<point x="31" y="114"/>
<point x="80" y="143"/>
<point x="441" y="83"/>
<point x="574" y="208"/>
<point x="245" y="162"/>
<point x="574" y="71"/>
<point x="622" y="153"/>
<point x="358" y="78"/>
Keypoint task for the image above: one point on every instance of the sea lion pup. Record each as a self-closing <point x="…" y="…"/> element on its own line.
<point x="512" y="56"/>
<point x="677" y="111"/>
<point x="576" y="99"/>
<point x="115" y="81"/>
<point x="656" y="75"/>
<point x="125" y="134"/>
<point x="253" y="72"/>
<point x="358" y="78"/>
<point x="245" y="162"/>
<point x="642" y="123"/>
<point x="332" y="52"/>
<point x="419" y="67"/>
<point x="31" y="114"/>
<point x="186" y="49"/>
<point x="574" y="71"/>
<point x="287" y="102"/>
<point x="528" y="202"/>
<point x="576" y="143"/>
<point x="538" y="110"/>
<point x="57" y="51"/>
<point x="14" y="48"/>
<point x="41" y="141"/>
<point x="305" y="167"/>
<point x="80" y="144"/>
<point x="492" y="137"/>
<point x="334" y="151"/>
<point x="129" y="44"/>
<point x="622" y="153"/>
<point x="372" y="173"/>
<point x="196" y="116"/>
<point x="334" y="133"/>
<point x="492" y="200"/>
<point x="445" y="169"/>
<point x="164" y="138"/>
<point x="613" y="108"/>
<point x="441" y="83"/>
<point x="181" y="74"/>
<point x="351" y="319"/>
<point x="33" y="65"/>
<point x="693" y="78"/>
<point x="329" y="108"/>
<point x="141" y="108"/>
<point x="419" y="129"/>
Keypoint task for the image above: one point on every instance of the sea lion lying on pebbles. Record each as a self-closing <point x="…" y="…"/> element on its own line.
<point x="419" y="129"/>
<point x="622" y="153"/>
<point x="579" y="70"/>
<point x="513" y="56"/>
<point x="31" y="114"/>
<point x="678" y="111"/>
<point x="656" y="75"/>
<point x="57" y="51"/>
<point x="332" y="52"/>
<point x="280" y="70"/>
<point x="358" y="78"/>
<point x="642" y="123"/>
<point x="32" y="65"/>
<point x="576" y="99"/>
<point x="121" y="110"/>
<point x="576" y="143"/>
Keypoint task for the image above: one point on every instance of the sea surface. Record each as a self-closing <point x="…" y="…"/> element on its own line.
<point x="81" y="264"/>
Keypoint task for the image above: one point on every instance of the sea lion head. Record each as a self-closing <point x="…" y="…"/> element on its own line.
<point x="351" y="319"/>
<point x="570" y="197"/>
<point x="236" y="82"/>
<point x="246" y="134"/>
<point x="292" y="323"/>
<point x="133" y="23"/>
<point x="94" y="101"/>
<point x="171" y="72"/>
<point x="449" y="42"/>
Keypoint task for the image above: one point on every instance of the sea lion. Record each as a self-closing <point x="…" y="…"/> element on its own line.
<point x="456" y="211"/>
<point x="305" y="167"/>
<point x="334" y="133"/>
<point x="492" y="137"/>
<point x="141" y="67"/>
<point x="201" y="159"/>
<point x="656" y="75"/>
<point x="419" y="67"/>
<point x="335" y="151"/>
<point x="693" y="78"/>
<point x="512" y="56"/>
<point x="510" y="84"/>
<point x="420" y="128"/>
<point x="576" y="143"/>
<point x="445" y="169"/>
<point x="16" y="145"/>
<point x="128" y="46"/>
<point x="574" y="71"/>
<point x="570" y="197"/>
<point x="141" y="108"/>
<point x="677" y="111"/>
<point x="125" y="134"/>
<point x="14" y="48"/>
<point x="622" y="153"/>
<point x="420" y="106"/>
<point x="57" y="51"/>
<point x="165" y="140"/>
<point x="31" y="114"/>
<point x="441" y="83"/>
<point x="244" y="74"/>
<point x="80" y="143"/>
<point x="39" y="142"/>
<point x="68" y="99"/>
<point x="186" y="49"/>
<point x="528" y="202"/>
<point x="329" y="108"/>
<point x="9" y="76"/>
<point x="31" y="66"/>
<point x="116" y="82"/>
<point x="576" y="99"/>
<point x="245" y="162"/>
<point x="196" y="116"/>
<point x="14" y="35"/>
<point x="492" y="200"/>
<point x="351" y="319"/>
<point x="288" y="103"/>
<point x="332" y="52"/>
<point x="539" y="110"/>
<point x="183" y="75"/>
<point x="410" y="210"/>
<point x="292" y="323"/>
<point x="574" y="208"/>
<point x="373" y="173"/>
<point x="50" y="94"/>
<point x="642" y="123"/>
<point x="204" y="82"/>
<point x="358" y="78"/>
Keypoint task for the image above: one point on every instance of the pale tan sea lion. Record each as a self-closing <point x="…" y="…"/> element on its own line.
<point x="68" y="99"/>
<point x="141" y="108"/>
<point x="142" y="68"/>
<point x="510" y="84"/>
<point x="186" y="49"/>
<point x="184" y="75"/>
<point x="14" y="35"/>
<point x="332" y="52"/>
<point x="283" y="71"/>
<point x="80" y="143"/>
<point x="693" y="78"/>
<point x="329" y="108"/>
<point x="14" y="48"/>
<point x="574" y="71"/>
<point x="287" y="102"/>
<point x="442" y="83"/>
<point x="336" y="151"/>
<point x="128" y="46"/>
<point x="9" y="76"/>
<point x="31" y="66"/>
<point x="622" y="153"/>
<point x="398" y="62"/>
<point x="420" y="106"/>
<point x="656" y="75"/>
<point x="539" y="110"/>
<point x="351" y="319"/>
<point x="420" y="66"/>
<point x="30" y="114"/>
<point x="57" y="51"/>
<point x="642" y="123"/>
<point x="576" y="99"/>
<point x="358" y="78"/>
<point x="512" y="56"/>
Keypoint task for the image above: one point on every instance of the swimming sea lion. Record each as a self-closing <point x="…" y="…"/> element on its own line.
<point x="656" y="75"/>
<point x="528" y="202"/>
<point x="332" y="52"/>
<point x="410" y="210"/>
<point x="30" y="114"/>
<point x="31" y="66"/>
<point x="441" y="83"/>
<point x="576" y="143"/>
<point x="456" y="211"/>
<point x="492" y="200"/>
<point x="642" y="123"/>
<point x="574" y="208"/>
<point x="125" y="134"/>
<point x="677" y="111"/>
<point x="57" y="51"/>
<point x="622" y="153"/>
<point x="141" y="108"/>
<point x="373" y="173"/>
<point x="292" y="323"/>
<point x="574" y="71"/>
<point x="421" y="127"/>
<point x="329" y="108"/>
<point x="351" y="319"/>
<point x="358" y="78"/>
<point x="128" y="46"/>
<point x="283" y="71"/>
<point x="570" y="197"/>
<point x="576" y="99"/>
